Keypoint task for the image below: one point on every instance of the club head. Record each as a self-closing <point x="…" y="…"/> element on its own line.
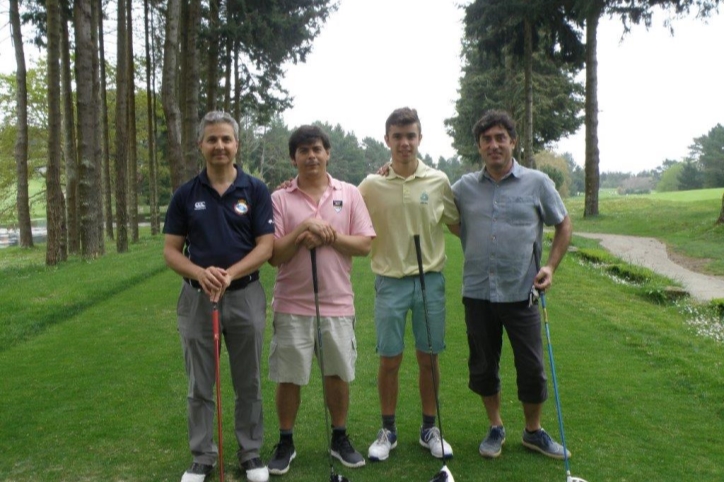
<point x="443" y="476"/>
<point x="574" y="479"/>
<point x="337" y="478"/>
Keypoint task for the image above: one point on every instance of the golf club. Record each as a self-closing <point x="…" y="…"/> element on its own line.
<point x="542" y="297"/>
<point x="333" y="477"/>
<point x="217" y="349"/>
<point x="444" y="474"/>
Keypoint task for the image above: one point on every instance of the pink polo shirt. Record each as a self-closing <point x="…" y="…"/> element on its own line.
<point x="341" y="206"/>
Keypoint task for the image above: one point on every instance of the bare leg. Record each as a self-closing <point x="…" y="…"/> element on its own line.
<point x="288" y="398"/>
<point x="427" y="388"/>
<point x="337" y="399"/>
<point x="388" y="383"/>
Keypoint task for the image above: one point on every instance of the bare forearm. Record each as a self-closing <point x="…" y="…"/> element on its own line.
<point x="353" y="245"/>
<point x="561" y="240"/>
<point x="261" y="253"/>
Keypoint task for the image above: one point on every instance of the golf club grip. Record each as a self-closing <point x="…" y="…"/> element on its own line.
<point x="313" y="254"/>
<point x="536" y="256"/>
<point x="418" y="252"/>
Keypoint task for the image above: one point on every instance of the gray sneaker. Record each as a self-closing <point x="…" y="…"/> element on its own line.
<point x="343" y="451"/>
<point x="541" y="442"/>
<point x="492" y="444"/>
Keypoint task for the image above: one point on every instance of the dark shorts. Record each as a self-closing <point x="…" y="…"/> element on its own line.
<point x="485" y="323"/>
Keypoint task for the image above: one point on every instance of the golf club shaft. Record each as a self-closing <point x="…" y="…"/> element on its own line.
<point x="418" y="251"/>
<point x="542" y="297"/>
<point x="320" y="352"/>
<point x="217" y="346"/>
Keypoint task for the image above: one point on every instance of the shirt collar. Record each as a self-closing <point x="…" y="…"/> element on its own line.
<point x="515" y="172"/>
<point x="421" y="171"/>
<point x="336" y="185"/>
<point x="242" y="179"/>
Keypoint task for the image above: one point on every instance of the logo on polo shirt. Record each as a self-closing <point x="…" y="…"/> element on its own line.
<point x="424" y="198"/>
<point x="199" y="206"/>
<point x="241" y="207"/>
<point x="337" y="203"/>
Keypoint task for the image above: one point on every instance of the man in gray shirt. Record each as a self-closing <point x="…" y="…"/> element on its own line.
<point x="503" y="209"/>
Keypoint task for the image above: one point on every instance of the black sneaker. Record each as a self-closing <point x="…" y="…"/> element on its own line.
<point x="343" y="451"/>
<point x="284" y="453"/>
<point x="197" y="472"/>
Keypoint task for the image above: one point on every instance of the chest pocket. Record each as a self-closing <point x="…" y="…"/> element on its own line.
<point x="520" y="210"/>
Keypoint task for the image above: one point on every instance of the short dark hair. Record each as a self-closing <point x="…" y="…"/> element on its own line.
<point x="402" y="117"/>
<point x="494" y="118"/>
<point x="306" y="135"/>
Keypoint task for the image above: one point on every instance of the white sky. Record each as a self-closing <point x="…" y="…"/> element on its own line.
<point x="656" y="92"/>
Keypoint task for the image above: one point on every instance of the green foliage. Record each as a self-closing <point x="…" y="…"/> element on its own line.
<point x="669" y="180"/>
<point x="708" y="151"/>
<point x="493" y="73"/>
<point x="689" y="178"/>
<point x="557" y="169"/>
<point x="486" y="84"/>
<point x="454" y="168"/>
<point x="266" y="34"/>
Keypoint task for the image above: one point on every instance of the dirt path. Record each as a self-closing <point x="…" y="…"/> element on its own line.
<point x="651" y="253"/>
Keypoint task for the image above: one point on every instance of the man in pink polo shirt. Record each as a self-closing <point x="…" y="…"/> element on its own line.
<point x="315" y="211"/>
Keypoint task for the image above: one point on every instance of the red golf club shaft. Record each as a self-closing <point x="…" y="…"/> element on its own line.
<point x="217" y="345"/>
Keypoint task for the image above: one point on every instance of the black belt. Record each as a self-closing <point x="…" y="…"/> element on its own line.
<point x="237" y="284"/>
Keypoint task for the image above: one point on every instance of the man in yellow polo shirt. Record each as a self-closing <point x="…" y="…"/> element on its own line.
<point x="410" y="199"/>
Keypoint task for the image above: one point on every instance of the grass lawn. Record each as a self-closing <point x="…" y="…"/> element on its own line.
<point x="93" y="384"/>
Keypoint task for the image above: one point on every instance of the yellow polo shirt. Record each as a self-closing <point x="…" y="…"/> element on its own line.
<point x="401" y="207"/>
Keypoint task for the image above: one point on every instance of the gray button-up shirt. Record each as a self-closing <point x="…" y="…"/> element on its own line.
<point x="500" y="224"/>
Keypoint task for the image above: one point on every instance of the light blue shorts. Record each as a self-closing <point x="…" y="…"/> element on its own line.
<point x="394" y="297"/>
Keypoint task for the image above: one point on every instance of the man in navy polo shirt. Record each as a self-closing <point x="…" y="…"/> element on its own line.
<point x="219" y="230"/>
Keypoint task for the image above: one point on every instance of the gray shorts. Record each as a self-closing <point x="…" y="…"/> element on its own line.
<point x="295" y="343"/>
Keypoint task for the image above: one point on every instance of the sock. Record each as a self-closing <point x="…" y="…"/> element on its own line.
<point x="388" y="423"/>
<point x="286" y="435"/>
<point x="534" y="431"/>
<point x="428" y="421"/>
<point x="338" y="432"/>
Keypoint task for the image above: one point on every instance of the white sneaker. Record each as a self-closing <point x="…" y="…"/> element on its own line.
<point x="430" y="439"/>
<point x="197" y="473"/>
<point x="256" y="471"/>
<point x="380" y="448"/>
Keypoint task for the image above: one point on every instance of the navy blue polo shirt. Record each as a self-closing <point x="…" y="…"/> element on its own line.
<point x="220" y="230"/>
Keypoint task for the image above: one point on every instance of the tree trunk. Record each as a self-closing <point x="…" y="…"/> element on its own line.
<point x="190" y="90"/>
<point x="528" y="136"/>
<point x="132" y="141"/>
<point x="591" y="106"/>
<point x="168" y="93"/>
<point x="227" y="73"/>
<point x="56" y="247"/>
<point x="122" y="139"/>
<point x="721" y="213"/>
<point x="97" y="199"/>
<point x="21" y="141"/>
<point x="106" y="143"/>
<point x="150" y="119"/>
<point x="87" y="108"/>
<point x="69" y="150"/>
<point x="212" y="66"/>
